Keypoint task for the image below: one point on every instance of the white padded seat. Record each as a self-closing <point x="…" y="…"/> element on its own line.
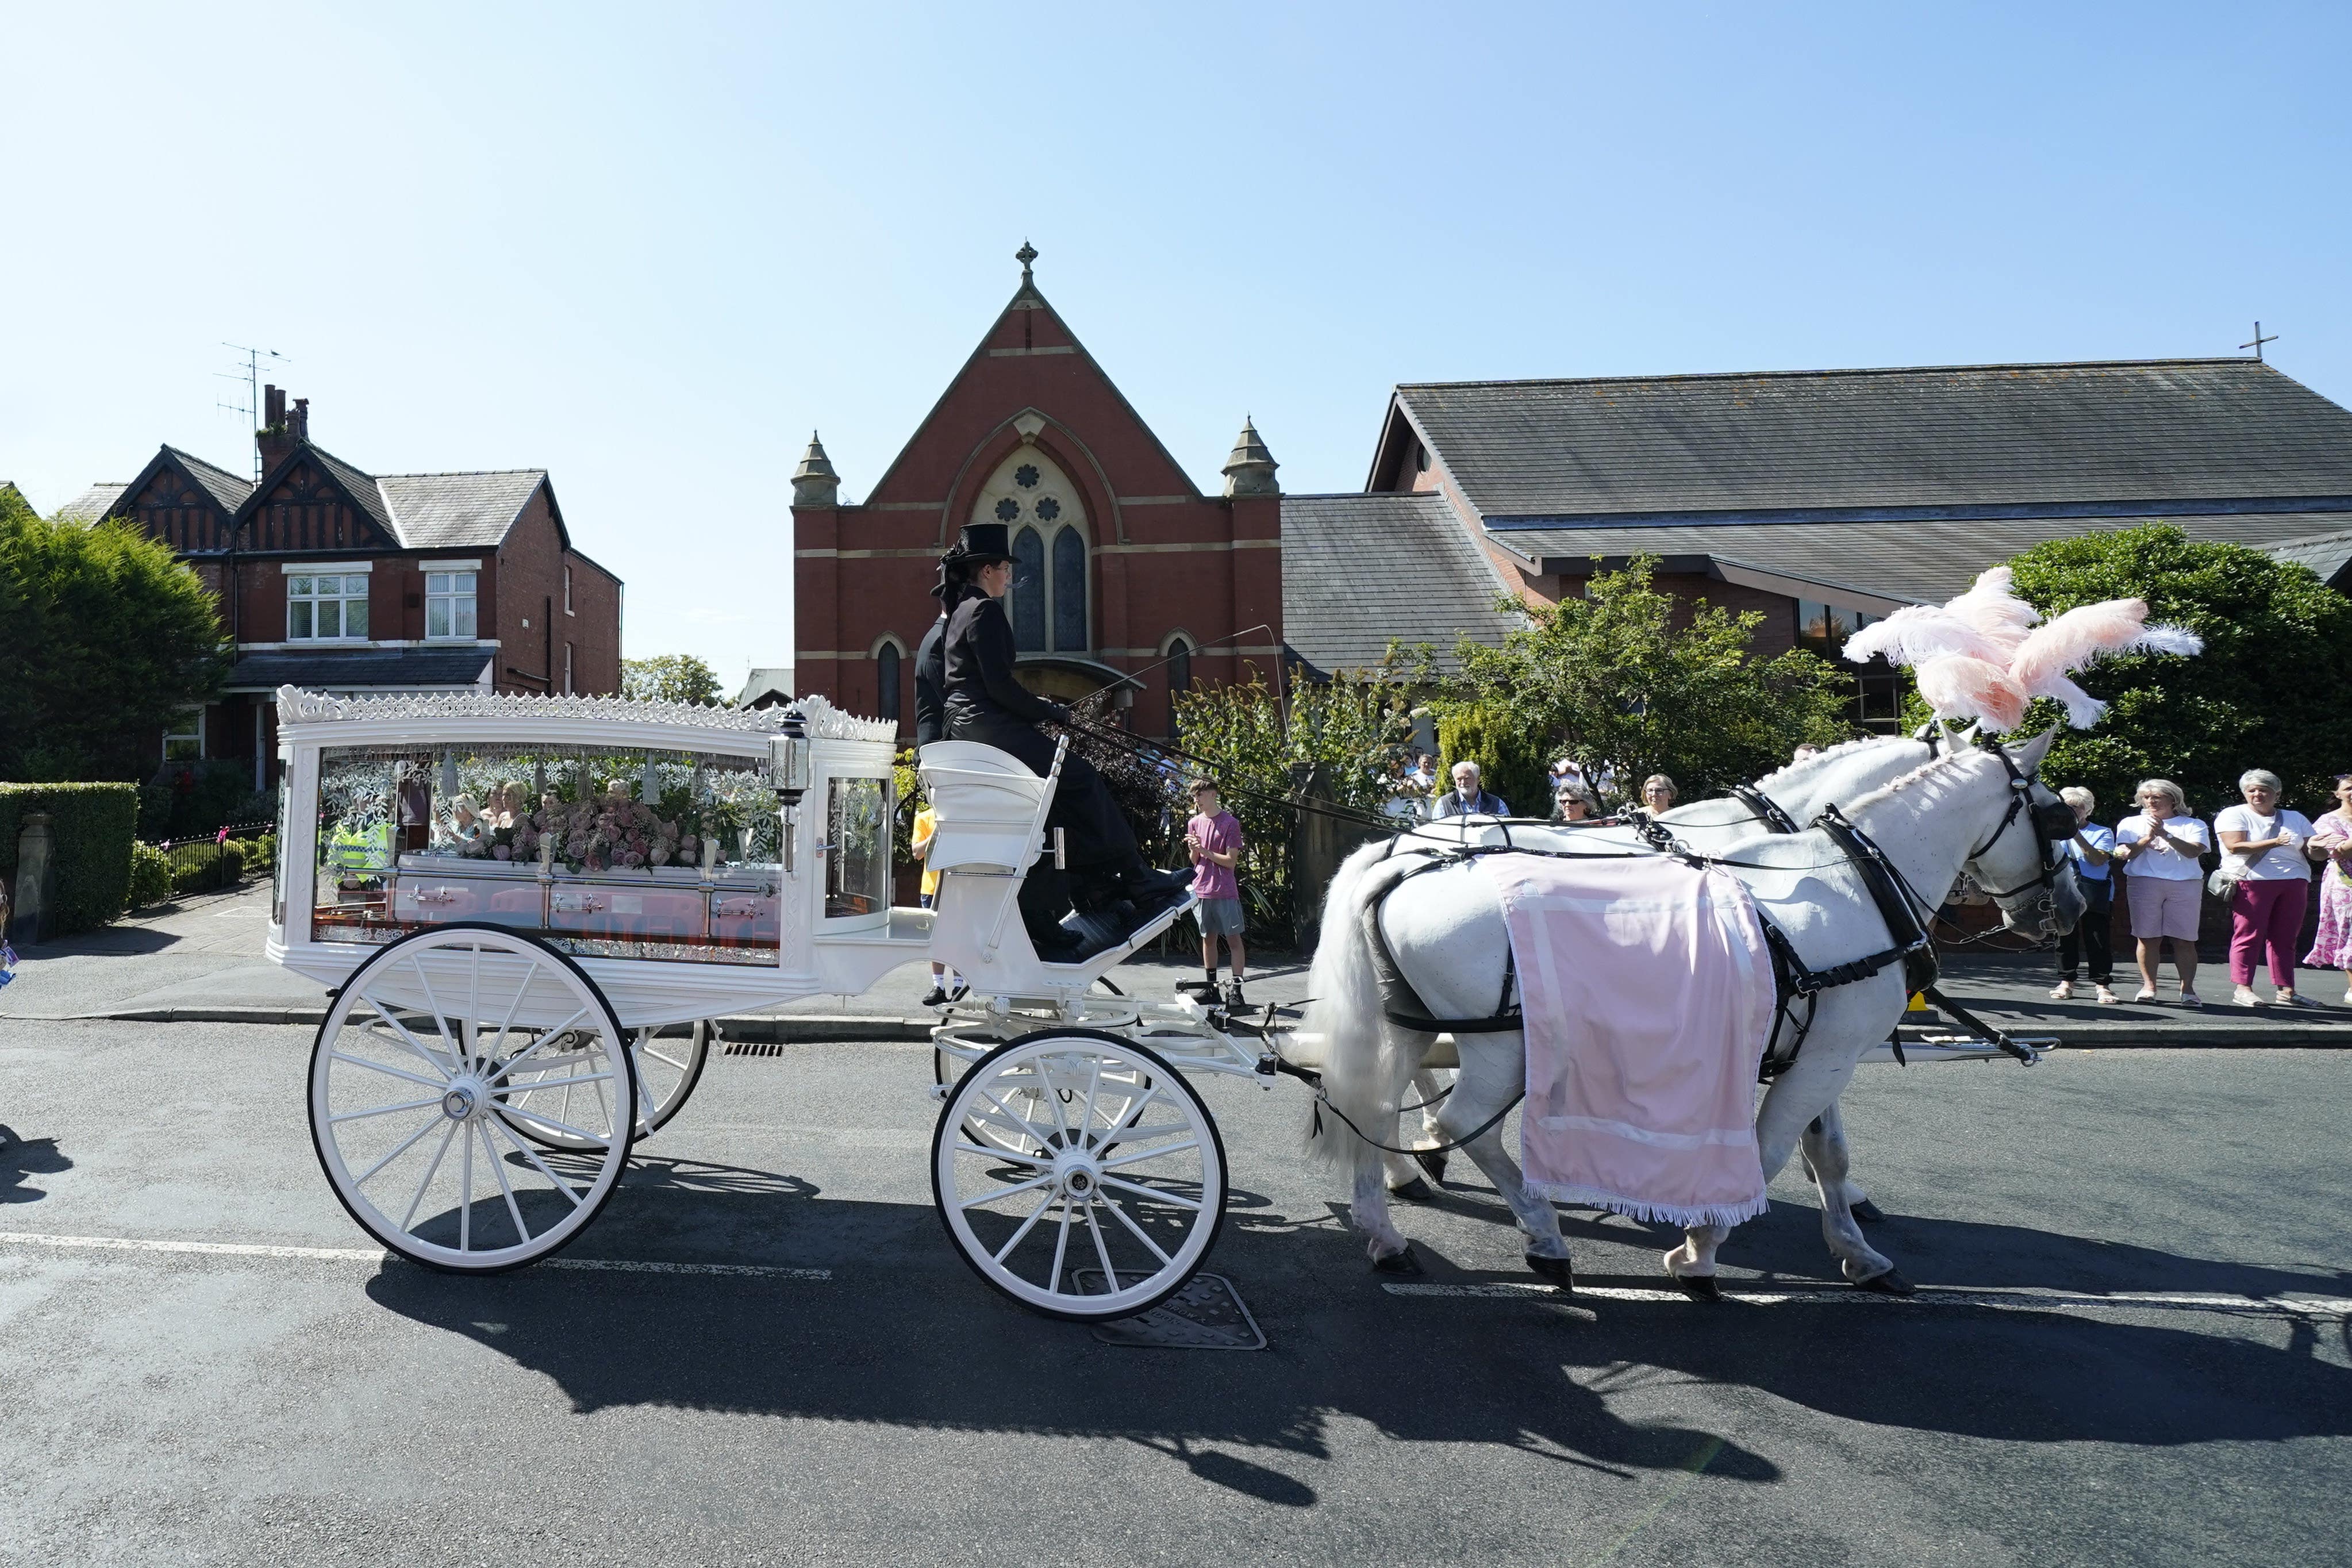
<point x="991" y="809"/>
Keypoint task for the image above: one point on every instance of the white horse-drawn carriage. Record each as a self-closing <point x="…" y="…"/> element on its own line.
<point x="529" y="907"/>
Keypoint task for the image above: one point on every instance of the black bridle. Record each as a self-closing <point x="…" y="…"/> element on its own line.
<point x="2048" y="831"/>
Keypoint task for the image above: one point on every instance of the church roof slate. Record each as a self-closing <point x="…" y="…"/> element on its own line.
<point x="1359" y="570"/>
<point x="1537" y="452"/>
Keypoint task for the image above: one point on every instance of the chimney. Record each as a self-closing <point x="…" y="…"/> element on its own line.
<point x="277" y="437"/>
<point x="298" y="427"/>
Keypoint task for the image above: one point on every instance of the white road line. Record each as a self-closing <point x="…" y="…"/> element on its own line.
<point x="1928" y="1296"/>
<point x="376" y="1255"/>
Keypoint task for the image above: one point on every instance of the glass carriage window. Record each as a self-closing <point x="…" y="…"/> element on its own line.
<point x="323" y="606"/>
<point x="450" y="603"/>
<point x="1069" y="592"/>
<point x="857" y="847"/>
<point x="1028" y="600"/>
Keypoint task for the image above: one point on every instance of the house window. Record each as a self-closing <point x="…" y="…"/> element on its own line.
<point x="1180" y="679"/>
<point x="567" y="669"/>
<point x="450" y="603"/>
<point x="330" y="606"/>
<point x="185" y="741"/>
<point x="886" y="682"/>
<point x="567" y="590"/>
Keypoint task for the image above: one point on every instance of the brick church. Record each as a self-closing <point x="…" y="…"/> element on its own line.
<point x="1819" y="500"/>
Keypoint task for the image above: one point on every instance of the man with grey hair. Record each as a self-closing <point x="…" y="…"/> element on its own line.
<point x="2092" y="850"/>
<point x="1467" y="798"/>
<point x="2263" y="850"/>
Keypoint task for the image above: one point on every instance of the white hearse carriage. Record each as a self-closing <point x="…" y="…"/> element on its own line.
<point x="525" y="908"/>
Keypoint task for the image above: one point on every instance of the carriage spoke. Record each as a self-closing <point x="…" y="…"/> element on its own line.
<point x="965" y="1147"/>
<point x="525" y="1054"/>
<point x="433" y="1002"/>
<point x="389" y="1072"/>
<point x="447" y="1068"/>
<point x="659" y="1057"/>
<point x="1110" y="1275"/>
<point x="466" y="1197"/>
<point x="1152" y="1153"/>
<point x="1112" y="1204"/>
<point x="535" y="1085"/>
<point x="1157" y="1194"/>
<point x="995" y="1194"/>
<point x="531" y="1154"/>
<point x="1031" y="1127"/>
<point x="404" y="1146"/>
<point x="382" y="1110"/>
<point x="510" y="1108"/>
<point x="473" y="1009"/>
<point x="498" y="1169"/>
<point x="409" y="1219"/>
<point x="1061" y="1246"/>
<point x="1034" y="1215"/>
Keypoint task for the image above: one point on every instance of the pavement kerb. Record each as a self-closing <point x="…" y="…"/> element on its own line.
<point x="820" y="1027"/>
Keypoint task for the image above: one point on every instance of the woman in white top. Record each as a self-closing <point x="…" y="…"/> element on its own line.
<point x="2162" y="849"/>
<point x="2266" y="842"/>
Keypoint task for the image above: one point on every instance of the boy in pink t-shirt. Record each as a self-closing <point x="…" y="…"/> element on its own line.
<point x="1214" y="838"/>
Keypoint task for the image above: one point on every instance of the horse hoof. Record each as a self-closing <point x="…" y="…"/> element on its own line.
<point x="1413" y="1191"/>
<point x="1866" y="1212"/>
<point x="1699" y="1287"/>
<point x="1403" y="1262"/>
<point x="1559" y="1270"/>
<point x="1888" y="1284"/>
<point x="1433" y="1164"/>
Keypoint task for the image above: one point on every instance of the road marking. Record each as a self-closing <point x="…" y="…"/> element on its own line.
<point x="377" y="1254"/>
<point x="1930" y="1295"/>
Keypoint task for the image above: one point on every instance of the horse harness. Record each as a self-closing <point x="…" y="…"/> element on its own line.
<point x="1899" y="905"/>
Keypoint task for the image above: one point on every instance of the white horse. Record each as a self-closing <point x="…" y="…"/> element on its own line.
<point x="1829" y="777"/>
<point x="1976" y="807"/>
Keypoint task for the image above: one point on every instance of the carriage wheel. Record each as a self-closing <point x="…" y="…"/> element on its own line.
<point x="408" y="1077"/>
<point x="668" y="1070"/>
<point x="1105" y="1188"/>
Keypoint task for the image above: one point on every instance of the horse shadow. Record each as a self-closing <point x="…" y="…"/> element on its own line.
<point x="22" y="1157"/>
<point x="903" y="1335"/>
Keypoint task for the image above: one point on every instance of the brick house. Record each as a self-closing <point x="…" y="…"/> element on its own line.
<point x="340" y="581"/>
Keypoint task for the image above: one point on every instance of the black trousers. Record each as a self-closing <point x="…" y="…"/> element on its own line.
<point x="2089" y="937"/>
<point x="1096" y="836"/>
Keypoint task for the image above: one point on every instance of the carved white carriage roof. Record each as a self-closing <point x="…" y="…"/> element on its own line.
<point x="821" y="719"/>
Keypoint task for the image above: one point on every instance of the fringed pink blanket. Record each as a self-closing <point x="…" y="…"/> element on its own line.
<point x="1647" y="990"/>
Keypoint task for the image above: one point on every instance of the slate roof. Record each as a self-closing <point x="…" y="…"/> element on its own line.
<point x="1925" y="563"/>
<point x="1359" y="571"/>
<point x="2113" y="432"/>
<point x="444" y="511"/>
<point x="229" y="489"/>
<point x="359" y="669"/>
<point x="93" y="503"/>
<point x="2326" y="554"/>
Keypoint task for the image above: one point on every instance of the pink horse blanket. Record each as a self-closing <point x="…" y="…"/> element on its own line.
<point x="1647" y="992"/>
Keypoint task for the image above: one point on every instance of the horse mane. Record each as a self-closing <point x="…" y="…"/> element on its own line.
<point x="1937" y="768"/>
<point x="1843" y="748"/>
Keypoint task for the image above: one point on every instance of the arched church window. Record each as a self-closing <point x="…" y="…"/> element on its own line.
<point x="1027" y="603"/>
<point x="1069" y="592"/>
<point x="1180" y="679"/>
<point x="886" y="682"/>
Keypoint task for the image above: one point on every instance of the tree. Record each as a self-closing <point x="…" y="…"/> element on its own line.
<point x="1611" y="680"/>
<point x="115" y="638"/>
<point x="669" y="678"/>
<point x="2267" y="692"/>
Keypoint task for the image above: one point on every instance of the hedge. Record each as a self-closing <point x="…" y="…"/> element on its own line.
<point x="93" y="823"/>
<point x="151" y="876"/>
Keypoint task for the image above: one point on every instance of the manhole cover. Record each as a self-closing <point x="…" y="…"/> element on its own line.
<point x="1206" y="1315"/>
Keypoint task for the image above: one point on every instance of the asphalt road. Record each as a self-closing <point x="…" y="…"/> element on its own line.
<point x="208" y="1407"/>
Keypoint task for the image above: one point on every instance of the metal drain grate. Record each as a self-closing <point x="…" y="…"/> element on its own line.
<point x="1208" y="1314"/>
<point x="755" y="1049"/>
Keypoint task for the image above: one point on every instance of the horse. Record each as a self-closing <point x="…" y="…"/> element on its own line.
<point x="1798" y="792"/>
<point x="1978" y="807"/>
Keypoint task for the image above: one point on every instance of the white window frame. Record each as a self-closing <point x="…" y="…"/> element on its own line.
<point x="471" y="569"/>
<point x="567" y="669"/>
<point x="341" y="570"/>
<point x="192" y="732"/>
<point x="567" y="589"/>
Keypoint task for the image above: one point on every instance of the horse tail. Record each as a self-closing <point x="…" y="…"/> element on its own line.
<point x="1364" y="1069"/>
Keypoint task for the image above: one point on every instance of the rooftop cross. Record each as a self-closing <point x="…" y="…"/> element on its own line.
<point x="1028" y="253"/>
<point x="2259" y="341"/>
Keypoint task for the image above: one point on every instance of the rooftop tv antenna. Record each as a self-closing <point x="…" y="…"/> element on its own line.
<point x="2259" y="341"/>
<point x="249" y="372"/>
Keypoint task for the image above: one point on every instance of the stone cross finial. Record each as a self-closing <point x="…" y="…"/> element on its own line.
<point x="1249" y="468"/>
<point x="814" y="484"/>
<point x="1026" y="255"/>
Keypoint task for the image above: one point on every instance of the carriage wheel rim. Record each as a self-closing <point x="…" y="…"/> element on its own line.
<point x="1133" y="1197"/>
<point x="395" y="1162"/>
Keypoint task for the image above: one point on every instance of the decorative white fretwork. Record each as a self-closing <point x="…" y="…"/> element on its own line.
<point x="299" y="707"/>
<point x="824" y="721"/>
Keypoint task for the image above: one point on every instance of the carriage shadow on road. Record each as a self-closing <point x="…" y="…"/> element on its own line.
<point x="904" y="1336"/>
<point x="22" y="1157"/>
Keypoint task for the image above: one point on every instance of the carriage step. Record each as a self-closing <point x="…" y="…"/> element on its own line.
<point x="1207" y="1314"/>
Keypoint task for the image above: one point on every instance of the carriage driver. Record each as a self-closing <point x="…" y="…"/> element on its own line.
<point x="1108" y="878"/>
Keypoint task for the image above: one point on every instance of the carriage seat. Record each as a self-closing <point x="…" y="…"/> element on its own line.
<point x="991" y="808"/>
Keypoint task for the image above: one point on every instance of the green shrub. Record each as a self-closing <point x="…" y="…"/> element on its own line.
<point x="207" y="867"/>
<point x="93" y="823"/>
<point x="1510" y="762"/>
<point x="197" y="799"/>
<point x="151" y="876"/>
<point x="260" y="855"/>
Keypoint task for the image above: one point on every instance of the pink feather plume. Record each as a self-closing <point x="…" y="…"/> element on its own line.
<point x="1992" y="606"/>
<point x="2082" y="636"/>
<point x="1917" y="633"/>
<point x="1958" y="686"/>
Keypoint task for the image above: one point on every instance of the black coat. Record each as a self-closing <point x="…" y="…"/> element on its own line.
<point x="980" y="659"/>
<point x="931" y="685"/>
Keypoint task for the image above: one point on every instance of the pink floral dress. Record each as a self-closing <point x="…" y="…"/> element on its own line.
<point x="2332" y="947"/>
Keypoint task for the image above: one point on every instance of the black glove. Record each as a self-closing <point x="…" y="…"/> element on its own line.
<point x="1061" y="715"/>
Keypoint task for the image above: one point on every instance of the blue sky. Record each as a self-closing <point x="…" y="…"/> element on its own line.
<point x="648" y="248"/>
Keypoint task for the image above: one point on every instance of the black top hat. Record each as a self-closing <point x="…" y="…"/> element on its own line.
<point x="980" y="544"/>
